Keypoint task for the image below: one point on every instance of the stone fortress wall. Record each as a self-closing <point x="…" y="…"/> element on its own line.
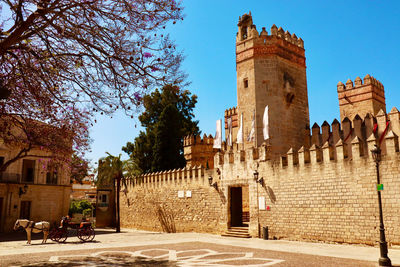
<point x="173" y="201"/>
<point x="326" y="191"/>
<point x="321" y="188"/>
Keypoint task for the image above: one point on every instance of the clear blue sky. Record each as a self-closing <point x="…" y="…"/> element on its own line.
<point x="342" y="39"/>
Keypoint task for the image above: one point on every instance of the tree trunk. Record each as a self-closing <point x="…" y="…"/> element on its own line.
<point x="118" y="214"/>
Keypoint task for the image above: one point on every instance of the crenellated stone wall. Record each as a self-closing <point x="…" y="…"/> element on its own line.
<point x="174" y="201"/>
<point x="325" y="191"/>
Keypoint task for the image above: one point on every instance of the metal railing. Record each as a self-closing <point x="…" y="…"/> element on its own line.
<point x="10" y="177"/>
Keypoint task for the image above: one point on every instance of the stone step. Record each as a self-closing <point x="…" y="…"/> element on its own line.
<point x="228" y="234"/>
<point x="240" y="229"/>
<point x="242" y="232"/>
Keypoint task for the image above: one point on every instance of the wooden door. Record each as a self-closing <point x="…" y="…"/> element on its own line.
<point x="236" y="206"/>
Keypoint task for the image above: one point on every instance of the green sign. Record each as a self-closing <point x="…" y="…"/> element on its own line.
<point x="379" y="187"/>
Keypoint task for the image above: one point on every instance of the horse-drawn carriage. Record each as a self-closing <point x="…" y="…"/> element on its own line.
<point x="84" y="231"/>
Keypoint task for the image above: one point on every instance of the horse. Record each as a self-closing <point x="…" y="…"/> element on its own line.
<point x="33" y="227"/>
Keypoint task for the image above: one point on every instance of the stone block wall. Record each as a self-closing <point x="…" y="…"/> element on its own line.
<point x="48" y="203"/>
<point x="174" y="201"/>
<point x="322" y="192"/>
<point x="332" y="200"/>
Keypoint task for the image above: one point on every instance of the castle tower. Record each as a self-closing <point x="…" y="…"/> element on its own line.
<point x="271" y="70"/>
<point x="360" y="98"/>
<point x="199" y="151"/>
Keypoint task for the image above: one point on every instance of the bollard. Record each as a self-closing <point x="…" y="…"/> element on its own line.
<point x="265" y="232"/>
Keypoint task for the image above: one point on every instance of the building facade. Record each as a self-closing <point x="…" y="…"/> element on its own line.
<point x="301" y="183"/>
<point x="31" y="190"/>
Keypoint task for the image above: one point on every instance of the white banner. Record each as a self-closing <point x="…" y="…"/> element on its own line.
<point x="251" y="134"/>
<point x="229" y="137"/>
<point x="240" y="132"/>
<point x="218" y="135"/>
<point x="265" y="124"/>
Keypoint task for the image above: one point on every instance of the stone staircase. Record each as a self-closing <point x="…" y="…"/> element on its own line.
<point x="242" y="232"/>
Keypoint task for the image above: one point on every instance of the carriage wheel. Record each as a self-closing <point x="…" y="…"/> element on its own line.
<point x="52" y="234"/>
<point x="86" y="234"/>
<point x="92" y="233"/>
<point x="83" y="234"/>
<point x="58" y="235"/>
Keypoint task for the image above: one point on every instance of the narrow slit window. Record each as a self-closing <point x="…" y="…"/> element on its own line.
<point x="246" y="83"/>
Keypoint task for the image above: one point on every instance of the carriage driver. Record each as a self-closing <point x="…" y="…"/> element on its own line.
<point x="65" y="220"/>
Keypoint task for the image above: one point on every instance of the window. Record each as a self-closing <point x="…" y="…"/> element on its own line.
<point x="25" y="211"/>
<point x="246" y="83"/>
<point x="244" y="32"/>
<point x="28" y="170"/>
<point x="51" y="175"/>
<point x="103" y="200"/>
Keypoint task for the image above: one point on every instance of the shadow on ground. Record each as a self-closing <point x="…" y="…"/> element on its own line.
<point x="20" y="235"/>
<point x="114" y="260"/>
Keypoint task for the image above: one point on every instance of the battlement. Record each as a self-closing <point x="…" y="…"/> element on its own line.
<point x="192" y="140"/>
<point x="368" y="80"/>
<point x="231" y="113"/>
<point x="349" y="140"/>
<point x="285" y="35"/>
<point x="361" y="97"/>
<point x="250" y="43"/>
<point x="177" y="176"/>
<point x="247" y="30"/>
<point x="199" y="151"/>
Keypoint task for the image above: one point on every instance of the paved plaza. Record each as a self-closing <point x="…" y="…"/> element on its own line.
<point x="140" y="248"/>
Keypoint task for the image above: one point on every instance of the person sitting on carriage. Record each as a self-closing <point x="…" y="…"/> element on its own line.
<point x="65" y="220"/>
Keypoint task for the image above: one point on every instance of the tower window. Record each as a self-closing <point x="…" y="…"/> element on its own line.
<point x="246" y="83"/>
<point x="244" y="32"/>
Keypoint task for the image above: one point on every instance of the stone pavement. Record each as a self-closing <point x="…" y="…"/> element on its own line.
<point x="165" y="247"/>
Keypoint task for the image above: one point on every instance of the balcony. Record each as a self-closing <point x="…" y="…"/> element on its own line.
<point x="10" y="177"/>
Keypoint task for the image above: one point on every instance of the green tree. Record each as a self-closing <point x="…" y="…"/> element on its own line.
<point x="168" y="141"/>
<point x="80" y="206"/>
<point x="111" y="172"/>
<point x="167" y="118"/>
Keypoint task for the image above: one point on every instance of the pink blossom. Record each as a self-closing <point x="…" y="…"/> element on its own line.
<point x="137" y="96"/>
<point x="147" y="55"/>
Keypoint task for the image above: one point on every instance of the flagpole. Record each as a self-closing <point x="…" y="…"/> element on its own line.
<point x="255" y="129"/>
<point x="241" y="125"/>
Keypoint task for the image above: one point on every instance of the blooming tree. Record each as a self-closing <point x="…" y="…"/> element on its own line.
<point x="63" y="61"/>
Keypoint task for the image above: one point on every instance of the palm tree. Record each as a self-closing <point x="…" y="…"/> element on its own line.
<point x="111" y="169"/>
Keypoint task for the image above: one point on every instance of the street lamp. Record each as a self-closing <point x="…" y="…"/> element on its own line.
<point x="22" y="191"/>
<point x="384" y="259"/>
<point x="255" y="175"/>
<point x="260" y="181"/>
<point x="210" y="182"/>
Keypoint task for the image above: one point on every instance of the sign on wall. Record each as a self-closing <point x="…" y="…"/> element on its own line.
<point x="261" y="203"/>
<point x="181" y="194"/>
